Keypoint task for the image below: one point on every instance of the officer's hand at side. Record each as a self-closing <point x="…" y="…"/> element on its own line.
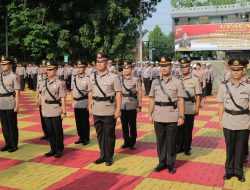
<point x="90" y="112"/>
<point x="117" y="114"/>
<point x="16" y="109"/>
<point x="220" y="125"/>
<point x="196" y="112"/>
<point x="180" y="122"/>
<point x="150" y="119"/>
<point x="63" y="115"/>
<point x="139" y="109"/>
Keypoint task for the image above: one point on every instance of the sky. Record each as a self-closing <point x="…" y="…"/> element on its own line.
<point x="161" y="17"/>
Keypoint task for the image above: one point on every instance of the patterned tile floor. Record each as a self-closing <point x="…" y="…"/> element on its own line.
<point x="29" y="169"/>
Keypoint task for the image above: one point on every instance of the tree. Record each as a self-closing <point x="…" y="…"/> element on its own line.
<point x="163" y="45"/>
<point x="45" y="28"/>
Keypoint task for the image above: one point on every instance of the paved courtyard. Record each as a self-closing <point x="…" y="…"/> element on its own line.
<point x="29" y="169"/>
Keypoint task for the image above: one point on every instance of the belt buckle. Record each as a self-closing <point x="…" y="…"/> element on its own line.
<point x="162" y="104"/>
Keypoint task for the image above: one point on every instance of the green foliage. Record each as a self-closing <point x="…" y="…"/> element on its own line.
<point x="163" y="45"/>
<point x="39" y="28"/>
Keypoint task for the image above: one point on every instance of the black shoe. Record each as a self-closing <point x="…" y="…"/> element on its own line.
<point x="99" y="161"/>
<point x="227" y="176"/>
<point x="124" y="146"/>
<point x="171" y="169"/>
<point x="160" y="167"/>
<point x="241" y="178"/>
<point x="109" y="162"/>
<point x="133" y="147"/>
<point x="79" y="141"/>
<point x="179" y="150"/>
<point x="58" y="154"/>
<point x="187" y="153"/>
<point x="4" y="149"/>
<point x="85" y="142"/>
<point x="13" y="149"/>
<point x="50" y="153"/>
<point x="44" y="137"/>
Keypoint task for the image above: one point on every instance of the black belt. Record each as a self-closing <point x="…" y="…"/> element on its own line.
<point x="163" y="104"/>
<point x="7" y="94"/>
<point x="190" y="99"/>
<point x="102" y="99"/>
<point x="52" y="102"/>
<point x="81" y="98"/>
<point x="232" y="112"/>
<point x="130" y="95"/>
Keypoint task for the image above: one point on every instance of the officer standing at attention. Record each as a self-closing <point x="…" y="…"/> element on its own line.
<point x="40" y="80"/>
<point x="20" y="71"/>
<point x="234" y="102"/>
<point x="131" y="103"/>
<point x="54" y="109"/>
<point x="146" y="78"/>
<point x="34" y="73"/>
<point x="60" y="71"/>
<point x="166" y="109"/>
<point x="192" y="104"/>
<point x="80" y="87"/>
<point x="105" y="98"/>
<point x="9" y="105"/>
<point x="29" y="76"/>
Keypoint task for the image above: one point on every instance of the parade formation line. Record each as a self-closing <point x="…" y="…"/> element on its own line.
<point x="27" y="168"/>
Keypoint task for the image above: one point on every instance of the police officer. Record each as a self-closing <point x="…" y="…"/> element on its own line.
<point x="209" y="74"/>
<point x="131" y="102"/>
<point x="111" y="67"/>
<point x="29" y="76"/>
<point x="61" y="71"/>
<point x="192" y="103"/>
<point x="80" y="87"/>
<point x="54" y="109"/>
<point x="105" y="97"/>
<point x="234" y="101"/>
<point x="147" y="70"/>
<point x="9" y="105"/>
<point x="40" y="80"/>
<point x="34" y="74"/>
<point x="20" y="71"/>
<point x="166" y="109"/>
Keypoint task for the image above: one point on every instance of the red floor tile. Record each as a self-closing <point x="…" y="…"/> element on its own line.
<point x="143" y="149"/>
<point x="92" y="180"/>
<point x="214" y="125"/>
<point x="195" y="173"/>
<point x="208" y="142"/>
<point x="6" y="163"/>
<point x="74" y="158"/>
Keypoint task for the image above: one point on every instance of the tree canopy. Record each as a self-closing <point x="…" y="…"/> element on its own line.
<point x="50" y="28"/>
<point x="163" y="44"/>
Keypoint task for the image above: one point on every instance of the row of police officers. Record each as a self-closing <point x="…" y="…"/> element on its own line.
<point x="174" y="102"/>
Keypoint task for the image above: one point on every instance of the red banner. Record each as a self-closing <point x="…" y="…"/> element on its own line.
<point x="231" y="36"/>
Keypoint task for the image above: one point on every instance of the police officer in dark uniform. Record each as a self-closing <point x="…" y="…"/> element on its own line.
<point x="166" y="109"/>
<point x="192" y="104"/>
<point x="9" y="105"/>
<point x="105" y="97"/>
<point x="234" y="101"/>
<point x="54" y="109"/>
<point x="80" y="87"/>
<point x="40" y="80"/>
<point x="131" y="103"/>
